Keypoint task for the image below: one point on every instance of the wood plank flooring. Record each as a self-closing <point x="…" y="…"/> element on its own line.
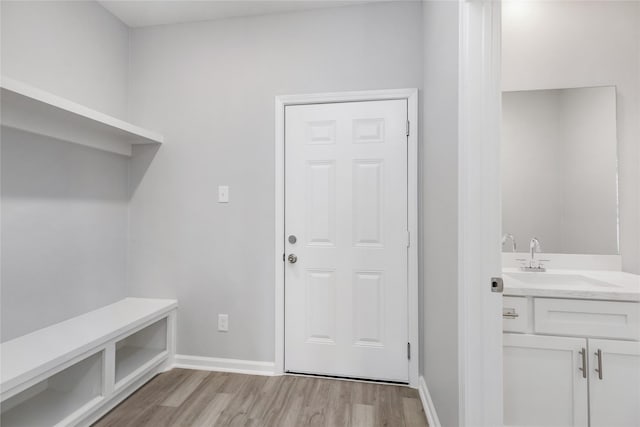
<point x="183" y="397"/>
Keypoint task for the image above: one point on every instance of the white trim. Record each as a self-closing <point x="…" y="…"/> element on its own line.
<point x="217" y="364"/>
<point x="479" y="309"/>
<point x="412" y="219"/>
<point x="172" y="340"/>
<point x="354" y="96"/>
<point x="427" y="404"/>
<point x="411" y="95"/>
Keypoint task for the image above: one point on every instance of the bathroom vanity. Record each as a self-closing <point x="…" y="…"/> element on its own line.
<point x="571" y="337"/>
<point x="571" y="348"/>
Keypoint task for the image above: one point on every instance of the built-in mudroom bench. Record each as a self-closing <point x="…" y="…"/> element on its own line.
<point x="73" y="372"/>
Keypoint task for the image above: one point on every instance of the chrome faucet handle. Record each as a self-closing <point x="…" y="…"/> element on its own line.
<point x="509" y="236"/>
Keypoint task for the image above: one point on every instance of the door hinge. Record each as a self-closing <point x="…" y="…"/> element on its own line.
<point x="409" y="350"/>
<point x="283" y="257"/>
<point x="408" y="127"/>
<point x="408" y="238"/>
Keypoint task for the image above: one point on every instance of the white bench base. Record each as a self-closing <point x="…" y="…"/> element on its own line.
<point x="74" y="372"/>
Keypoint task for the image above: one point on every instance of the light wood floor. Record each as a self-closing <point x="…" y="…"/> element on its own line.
<point x="197" y="398"/>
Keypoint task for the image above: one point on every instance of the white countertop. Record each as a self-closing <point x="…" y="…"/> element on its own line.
<point x="582" y="284"/>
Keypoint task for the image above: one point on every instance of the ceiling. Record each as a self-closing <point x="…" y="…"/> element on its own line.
<point x="142" y="13"/>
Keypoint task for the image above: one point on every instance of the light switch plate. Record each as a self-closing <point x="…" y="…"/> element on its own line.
<point x="223" y="194"/>
<point x="223" y="322"/>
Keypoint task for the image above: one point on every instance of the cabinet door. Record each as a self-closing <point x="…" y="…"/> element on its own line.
<point x="544" y="381"/>
<point x="614" y="383"/>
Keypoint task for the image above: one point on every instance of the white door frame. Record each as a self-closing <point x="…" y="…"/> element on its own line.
<point x="479" y="192"/>
<point x="411" y="95"/>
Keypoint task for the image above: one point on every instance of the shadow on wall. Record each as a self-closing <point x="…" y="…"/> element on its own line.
<point x="36" y="166"/>
<point x="144" y="155"/>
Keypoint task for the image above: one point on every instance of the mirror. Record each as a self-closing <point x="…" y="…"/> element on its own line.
<point x="559" y="170"/>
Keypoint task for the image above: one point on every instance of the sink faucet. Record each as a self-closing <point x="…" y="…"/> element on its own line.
<point x="534" y="246"/>
<point x="534" y="265"/>
<point x="509" y="236"/>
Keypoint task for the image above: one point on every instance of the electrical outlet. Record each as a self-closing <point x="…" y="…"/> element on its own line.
<point x="223" y="322"/>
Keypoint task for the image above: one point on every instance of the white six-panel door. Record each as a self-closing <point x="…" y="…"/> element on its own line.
<point x="346" y="208"/>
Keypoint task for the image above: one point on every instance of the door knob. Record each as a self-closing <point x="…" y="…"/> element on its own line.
<point x="292" y="258"/>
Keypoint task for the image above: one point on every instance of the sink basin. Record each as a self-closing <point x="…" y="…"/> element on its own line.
<point x="557" y="280"/>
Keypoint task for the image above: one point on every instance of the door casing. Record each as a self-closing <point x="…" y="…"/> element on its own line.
<point x="411" y="95"/>
<point x="479" y="214"/>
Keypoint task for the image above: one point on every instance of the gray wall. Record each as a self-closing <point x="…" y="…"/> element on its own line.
<point x="64" y="206"/>
<point x="75" y="49"/>
<point x="210" y="88"/>
<point x="64" y="230"/>
<point x="439" y="364"/>
<point x="550" y="45"/>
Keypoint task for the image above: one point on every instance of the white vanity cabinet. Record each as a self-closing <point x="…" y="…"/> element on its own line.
<point x="571" y="362"/>
<point x="543" y="384"/>
<point x="614" y="389"/>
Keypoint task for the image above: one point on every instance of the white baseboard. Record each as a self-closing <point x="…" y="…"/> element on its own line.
<point x="251" y="367"/>
<point x="427" y="404"/>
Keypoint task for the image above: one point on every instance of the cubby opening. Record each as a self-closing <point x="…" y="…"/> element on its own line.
<point x="136" y="350"/>
<point x="56" y="398"/>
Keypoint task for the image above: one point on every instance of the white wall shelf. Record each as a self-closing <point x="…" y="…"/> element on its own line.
<point x="34" y="110"/>
<point x="75" y="371"/>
